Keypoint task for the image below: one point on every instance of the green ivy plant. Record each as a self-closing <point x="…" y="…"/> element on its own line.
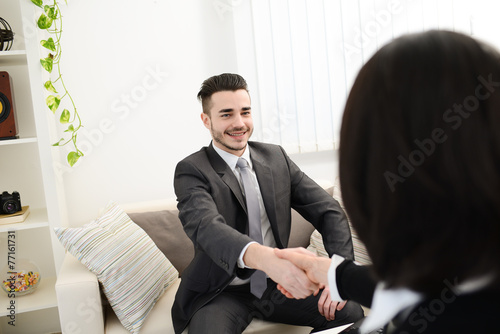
<point x="51" y="21"/>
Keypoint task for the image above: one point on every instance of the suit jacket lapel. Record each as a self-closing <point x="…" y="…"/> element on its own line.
<point x="226" y="174"/>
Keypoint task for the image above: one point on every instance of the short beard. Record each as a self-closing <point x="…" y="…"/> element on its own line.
<point x="218" y="138"/>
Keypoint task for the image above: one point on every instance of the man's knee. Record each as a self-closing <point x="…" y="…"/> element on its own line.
<point x="219" y="320"/>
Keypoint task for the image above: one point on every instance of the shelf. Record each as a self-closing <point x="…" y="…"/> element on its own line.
<point x="13" y="57"/>
<point x="37" y="218"/>
<point x="29" y="168"/>
<point x="44" y="297"/>
<point x="7" y="142"/>
<point x="13" y="54"/>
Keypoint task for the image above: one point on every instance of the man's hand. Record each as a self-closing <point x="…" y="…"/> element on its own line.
<point x="315" y="267"/>
<point x="327" y="307"/>
<point x="283" y="272"/>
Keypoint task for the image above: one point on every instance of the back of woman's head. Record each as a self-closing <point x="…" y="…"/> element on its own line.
<point x="420" y="160"/>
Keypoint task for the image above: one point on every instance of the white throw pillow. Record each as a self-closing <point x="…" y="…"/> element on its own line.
<point x="133" y="272"/>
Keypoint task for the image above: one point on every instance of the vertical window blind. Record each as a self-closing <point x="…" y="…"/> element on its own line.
<point x="301" y="57"/>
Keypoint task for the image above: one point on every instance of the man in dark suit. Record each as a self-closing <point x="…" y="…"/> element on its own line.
<point x="215" y="295"/>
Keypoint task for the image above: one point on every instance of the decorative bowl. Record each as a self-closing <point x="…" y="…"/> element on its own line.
<point x="20" y="279"/>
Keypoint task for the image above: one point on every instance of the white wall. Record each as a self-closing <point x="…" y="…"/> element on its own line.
<point x="134" y="69"/>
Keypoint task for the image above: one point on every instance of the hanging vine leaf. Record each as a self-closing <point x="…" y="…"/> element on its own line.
<point x="49" y="86"/>
<point x="51" y="21"/>
<point x="73" y="157"/>
<point x="53" y="102"/>
<point x="49" y="44"/>
<point x="51" y="12"/>
<point x="38" y="3"/>
<point x="44" y="22"/>
<point x="47" y="63"/>
<point x="65" y="115"/>
<point x="59" y="142"/>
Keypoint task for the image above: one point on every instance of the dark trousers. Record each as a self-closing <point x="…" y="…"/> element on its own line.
<point x="234" y="308"/>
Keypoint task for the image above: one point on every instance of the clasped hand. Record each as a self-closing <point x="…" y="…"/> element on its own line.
<point x="316" y="270"/>
<point x="290" y="277"/>
<point x="298" y="272"/>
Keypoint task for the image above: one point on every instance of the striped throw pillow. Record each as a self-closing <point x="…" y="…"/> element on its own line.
<point x="133" y="272"/>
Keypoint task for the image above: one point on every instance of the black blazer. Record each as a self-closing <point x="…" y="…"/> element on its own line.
<point x="212" y="210"/>
<point x="448" y="312"/>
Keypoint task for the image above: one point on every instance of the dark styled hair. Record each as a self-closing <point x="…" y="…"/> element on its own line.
<point x="218" y="83"/>
<point x="419" y="160"/>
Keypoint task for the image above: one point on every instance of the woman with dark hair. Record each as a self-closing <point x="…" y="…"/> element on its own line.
<point x="419" y="160"/>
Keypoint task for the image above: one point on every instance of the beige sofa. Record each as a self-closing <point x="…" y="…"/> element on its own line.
<point x="84" y="309"/>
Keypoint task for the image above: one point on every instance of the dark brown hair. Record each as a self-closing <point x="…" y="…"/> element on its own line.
<point x="218" y="83"/>
<point x="419" y="160"/>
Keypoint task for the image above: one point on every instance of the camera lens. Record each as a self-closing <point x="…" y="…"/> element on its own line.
<point x="10" y="207"/>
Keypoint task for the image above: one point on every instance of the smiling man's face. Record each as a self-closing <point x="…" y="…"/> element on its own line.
<point x="230" y="121"/>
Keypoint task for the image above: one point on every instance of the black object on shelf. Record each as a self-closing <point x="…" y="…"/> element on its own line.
<point x="6" y="35"/>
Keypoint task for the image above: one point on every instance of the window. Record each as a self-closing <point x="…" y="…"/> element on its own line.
<point x="302" y="56"/>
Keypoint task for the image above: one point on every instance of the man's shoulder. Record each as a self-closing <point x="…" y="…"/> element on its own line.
<point x="265" y="147"/>
<point x="195" y="163"/>
<point x="197" y="156"/>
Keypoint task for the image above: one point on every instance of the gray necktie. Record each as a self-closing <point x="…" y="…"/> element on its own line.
<point x="258" y="281"/>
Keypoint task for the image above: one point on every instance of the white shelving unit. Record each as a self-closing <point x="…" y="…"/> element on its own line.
<point x="27" y="166"/>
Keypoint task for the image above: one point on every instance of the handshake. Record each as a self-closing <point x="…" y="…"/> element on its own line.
<point x="312" y="275"/>
<point x="298" y="273"/>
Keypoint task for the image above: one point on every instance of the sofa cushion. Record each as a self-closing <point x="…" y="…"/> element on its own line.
<point x="165" y="228"/>
<point x="132" y="270"/>
<point x="316" y="241"/>
<point x="301" y="228"/>
<point x="300" y="232"/>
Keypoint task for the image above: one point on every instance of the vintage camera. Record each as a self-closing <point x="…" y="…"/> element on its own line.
<point x="10" y="203"/>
